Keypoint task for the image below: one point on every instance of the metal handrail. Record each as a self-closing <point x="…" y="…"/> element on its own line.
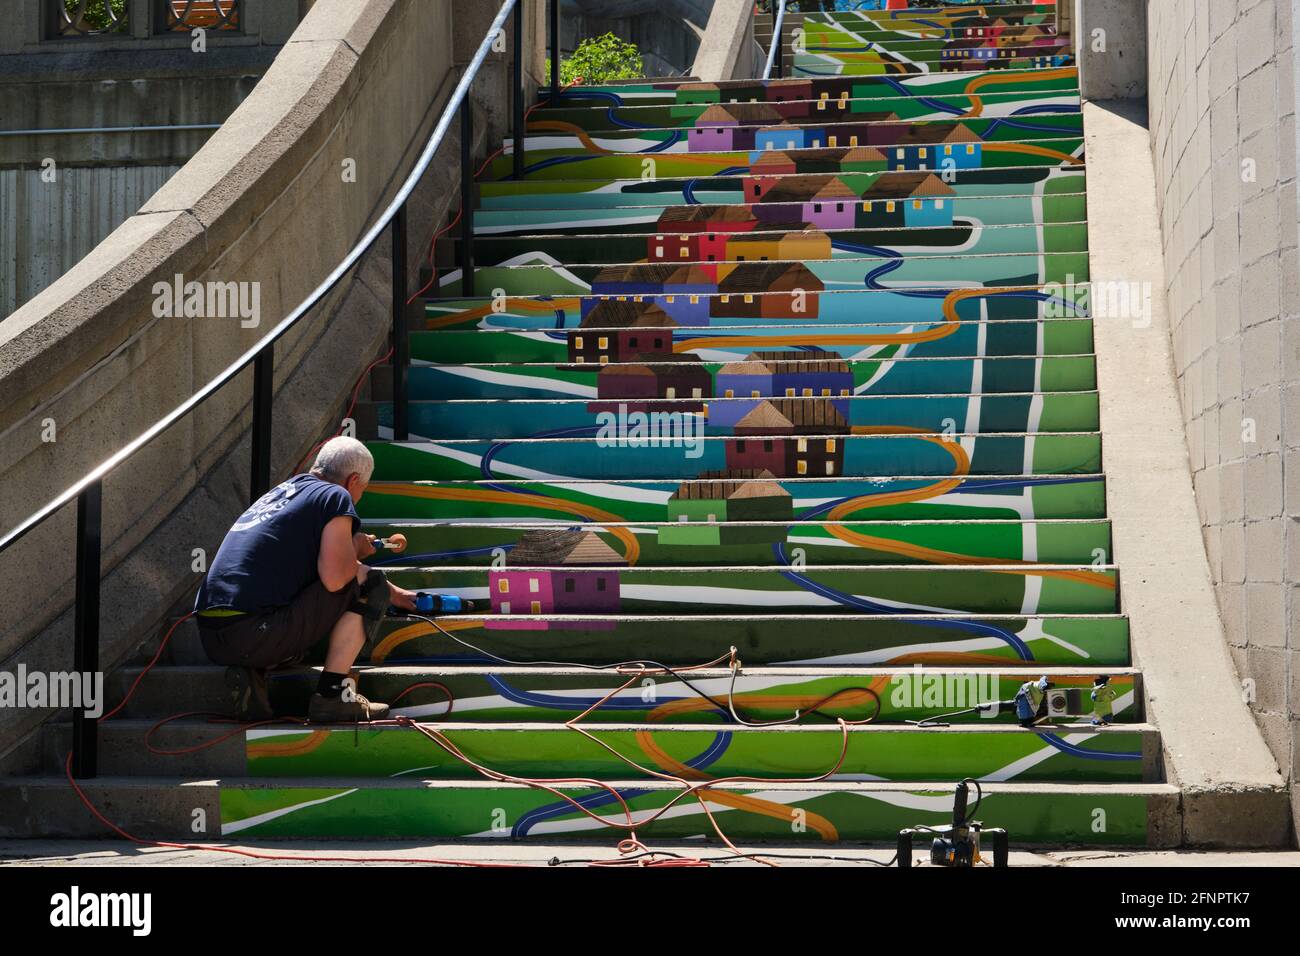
<point x="775" y="50"/>
<point x="238" y="365"/>
<point x="88" y="491"/>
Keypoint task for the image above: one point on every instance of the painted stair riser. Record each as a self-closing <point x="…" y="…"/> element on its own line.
<point x="917" y="17"/>
<point x="916" y="22"/>
<point x="814" y="113"/>
<point x="625" y="414"/>
<point x="544" y="140"/>
<point x="885" y="377"/>
<point x="810" y="500"/>
<point x="777" y="90"/>
<point x="787" y="588"/>
<point x="817" y="641"/>
<point x="785" y="456"/>
<point x="694" y="541"/>
<point x="649" y="218"/>
<point x="877" y="312"/>
<point x="1061" y="189"/>
<point x="1003" y="753"/>
<point x="868" y="63"/>
<point x="933" y="339"/>
<point x="1077" y="754"/>
<point x="935" y="271"/>
<point x="1054" y="144"/>
<point x="816" y="815"/>
<point x="963" y="237"/>
<point x="458" y="696"/>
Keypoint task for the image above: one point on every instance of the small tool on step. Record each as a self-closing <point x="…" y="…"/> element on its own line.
<point x="957" y="845"/>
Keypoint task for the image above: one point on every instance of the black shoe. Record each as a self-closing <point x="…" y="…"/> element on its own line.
<point x="247" y="689"/>
<point x="336" y="710"/>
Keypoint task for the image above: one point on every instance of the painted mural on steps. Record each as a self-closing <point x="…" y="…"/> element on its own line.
<point x="801" y="368"/>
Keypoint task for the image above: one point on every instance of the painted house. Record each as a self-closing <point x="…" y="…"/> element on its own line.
<point x="791" y="90"/>
<point x="1023" y="35"/>
<point x="852" y="129"/>
<point x="777" y="290"/>
<point x="620" y="332"/>
<point x="782" y="136"/>
<point x="822" y="201"/>
<point x="968" y="54"/>
<point x="670" y="376"/>
<point x="790" y="437"/>
<point x="805" y="245"/>
<point x="907" y="199"/>
<point x="700" y="511"/>
<point x="556" y="572"/>
<point x="699" y="94"/>
<point x="697" y="233"/>
<point x="684" y="294"/>
<point x="795" y="376"/>
<point x="779" y="374"/>
<point x="636" y="281"/>
<point x="941" y="147"/>
<point x="723" y="128"/>
<point x="764" y="170"/>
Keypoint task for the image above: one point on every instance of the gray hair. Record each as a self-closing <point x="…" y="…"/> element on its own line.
<point x="340" y="457"/>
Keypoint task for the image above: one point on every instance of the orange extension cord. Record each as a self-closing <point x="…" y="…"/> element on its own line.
<point x="628" y="846"/>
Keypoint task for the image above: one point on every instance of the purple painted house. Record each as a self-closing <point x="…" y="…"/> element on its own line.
<point x="681" y="291"/>
<point x="768" y="375"/>
<point x="822" y="201"/>
<point x="721" y="129"/>
<point x="556" y="572"/>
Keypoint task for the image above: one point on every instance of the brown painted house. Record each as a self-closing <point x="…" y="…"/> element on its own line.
<point x="790" y="437"/>
<point x="669" y="376"/>
<point x="768" y="291"/>
<point x="621" y="331"/>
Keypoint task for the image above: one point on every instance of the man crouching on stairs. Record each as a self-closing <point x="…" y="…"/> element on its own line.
<point x="288" y="575"/>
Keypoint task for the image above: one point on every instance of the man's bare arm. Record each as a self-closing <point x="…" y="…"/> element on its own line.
<point x="337" y="561"/>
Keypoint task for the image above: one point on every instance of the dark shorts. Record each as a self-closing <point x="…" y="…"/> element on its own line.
<point x="279" y="636"/>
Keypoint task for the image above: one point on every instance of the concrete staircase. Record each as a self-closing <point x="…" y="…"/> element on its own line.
<point x="798" y="367"/>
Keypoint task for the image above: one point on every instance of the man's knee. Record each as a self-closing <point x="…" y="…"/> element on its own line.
<point x="372" y="603"/>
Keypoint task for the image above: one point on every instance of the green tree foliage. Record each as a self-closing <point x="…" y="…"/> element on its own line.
<point x="97" y="14"/>
<point x="599" y="60"/>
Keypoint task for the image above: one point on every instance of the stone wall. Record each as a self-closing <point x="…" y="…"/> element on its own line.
<point x="359" y="86"/>
<point x="1222" y="81"/>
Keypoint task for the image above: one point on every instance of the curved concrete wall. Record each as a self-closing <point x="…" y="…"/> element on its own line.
<point x="86" y="365"/>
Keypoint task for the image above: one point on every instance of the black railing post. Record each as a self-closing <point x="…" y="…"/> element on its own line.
<point x="401" y="330"/>
<point x="519" y="90"/>
<point x="555" y="52"/>
<point x="85" y="624"/>
<point x="467" y="198"/>
<point x="259" y="482"/>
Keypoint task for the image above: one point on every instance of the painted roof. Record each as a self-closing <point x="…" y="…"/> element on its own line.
<point x="619" y="315"/>
<point x="565" y="548"/>
<point x="902" y="185"/>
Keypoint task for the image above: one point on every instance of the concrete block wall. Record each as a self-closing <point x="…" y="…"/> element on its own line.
<point x="1222" y="82"/>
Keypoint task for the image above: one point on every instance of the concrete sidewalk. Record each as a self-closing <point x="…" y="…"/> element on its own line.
<point x="86" y="853"/>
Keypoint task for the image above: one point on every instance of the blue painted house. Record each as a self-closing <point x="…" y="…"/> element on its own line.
<point x="939" y="147"/>
<point x="921" y="199"/>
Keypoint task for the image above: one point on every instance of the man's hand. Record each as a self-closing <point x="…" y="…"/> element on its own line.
<point x="364" y="545"/>
<point x="400" y="597"/>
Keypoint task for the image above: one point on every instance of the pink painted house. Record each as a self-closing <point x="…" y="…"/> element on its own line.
<point x="556" y="572"/>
